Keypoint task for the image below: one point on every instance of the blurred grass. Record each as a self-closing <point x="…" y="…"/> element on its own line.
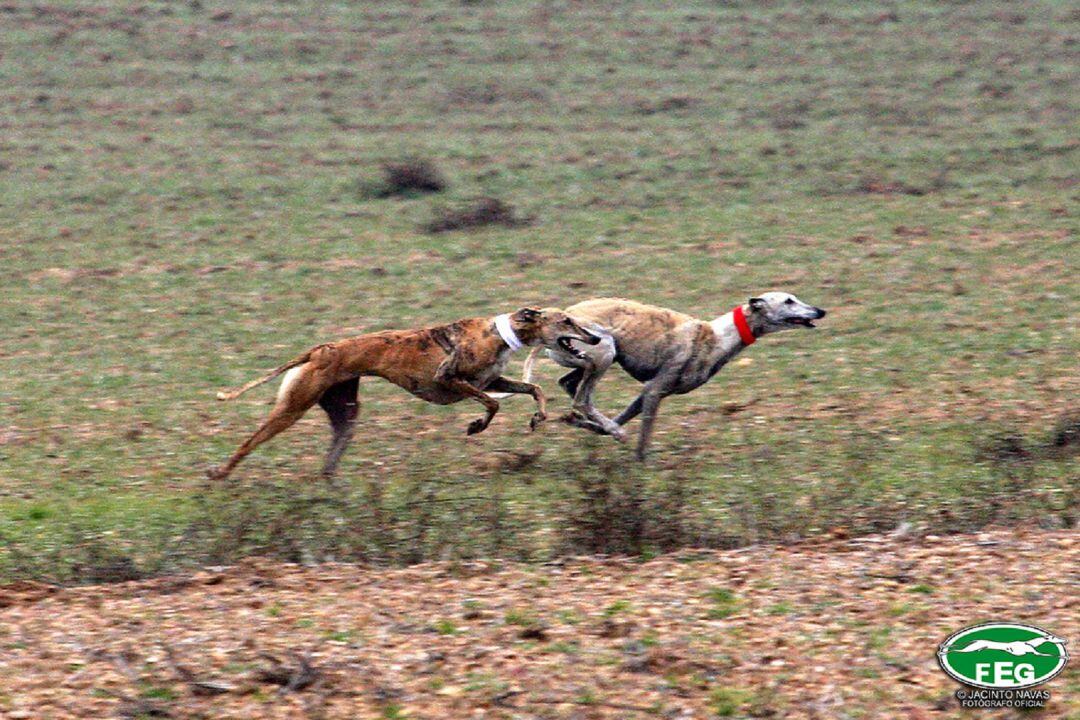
<point x="182" y="205"/>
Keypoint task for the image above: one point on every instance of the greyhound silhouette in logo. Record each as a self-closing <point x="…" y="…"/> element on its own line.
<point x="1018" y="647"/>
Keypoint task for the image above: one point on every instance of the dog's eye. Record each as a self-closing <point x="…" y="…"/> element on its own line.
<point x="789" y="301"/>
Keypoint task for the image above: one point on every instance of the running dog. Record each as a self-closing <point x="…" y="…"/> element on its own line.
<point x="670" y="352"/>
<point x="443" y="364"/>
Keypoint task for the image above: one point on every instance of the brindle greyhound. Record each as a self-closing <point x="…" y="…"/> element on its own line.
<point x="672" y="353"/>
<point x="442" y="364"/>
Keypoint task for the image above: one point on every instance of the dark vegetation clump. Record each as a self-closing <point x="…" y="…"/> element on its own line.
<point x="1010" y="447"/>
<point x="83" y="556"/>
<point x="789" y="116"/>
<point x="1066" y="437"/>
<point x="95" y="563"/>
<point x="1013" y="493"/>
<point x="671" y="104"/>
<point x="873" y="185"/>
<point x="402" y="178"/>
<point x="115" y="570"/>
<point x="477" y="213"/>
<point x="1006" y="447"/>
<point x="491" y="92"/>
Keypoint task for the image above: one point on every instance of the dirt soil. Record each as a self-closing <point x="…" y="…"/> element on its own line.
<point x="834" y="629"/>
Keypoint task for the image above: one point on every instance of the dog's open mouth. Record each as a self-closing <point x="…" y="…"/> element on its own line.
<point x="801" y="321"/>
<point x="565" y="343"/>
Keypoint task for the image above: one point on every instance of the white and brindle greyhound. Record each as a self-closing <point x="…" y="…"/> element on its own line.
<point x="670" y="352"/>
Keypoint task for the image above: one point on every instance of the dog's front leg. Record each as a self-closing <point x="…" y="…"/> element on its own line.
<point x="502" y="384"/>
<point x="632" y="411"/>
<point x="471" y="391"/>
<point x="447" y="371"/>
<point x="446" y="374"/>
<point x="646" y="404"/>
<point x="650" y="403"/>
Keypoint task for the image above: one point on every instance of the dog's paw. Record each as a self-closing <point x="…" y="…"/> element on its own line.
<point x="214" y="473"/>
<point x="619" y="434"/>
<point x="476" y="426"/>
<point x="578" y="420"/>
<point x="536" y="419"/>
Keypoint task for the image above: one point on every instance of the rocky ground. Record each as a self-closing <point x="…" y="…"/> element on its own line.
<point x="844" y="628"/>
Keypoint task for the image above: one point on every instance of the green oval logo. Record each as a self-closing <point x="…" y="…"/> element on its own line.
<point x="1002" y="656"/>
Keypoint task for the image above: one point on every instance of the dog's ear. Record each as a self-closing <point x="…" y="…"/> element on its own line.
<point x="757" y="304"/>
<point x="527" y="315"/>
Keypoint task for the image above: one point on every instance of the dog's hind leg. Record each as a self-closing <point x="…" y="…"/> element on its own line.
<point x="300" y="390"/>
<point x="281" y="418"/>
<point x="584" y="413"/>
<point x="580" y="383"/>
<point x="341" y="405"/>
<point x="580" y="416"/>
<point x="583" y="395"/>
<point x="570" y="381"/>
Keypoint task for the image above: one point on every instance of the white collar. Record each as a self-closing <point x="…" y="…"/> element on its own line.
<point x="506" y="332"/>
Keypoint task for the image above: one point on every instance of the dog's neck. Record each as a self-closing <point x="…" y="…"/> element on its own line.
<point x="730" y="340"/>
<point x="506" y="332"/>
<point x="737" y="329"/>
<point x="742" y="326"/>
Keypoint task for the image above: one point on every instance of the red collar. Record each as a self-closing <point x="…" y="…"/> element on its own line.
<point x="745" y="333"/>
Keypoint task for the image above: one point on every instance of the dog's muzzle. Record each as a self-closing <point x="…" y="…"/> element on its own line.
<point x="590" y="338"/>
<point x="566" y="343"/>
<point x="807" y="322"/>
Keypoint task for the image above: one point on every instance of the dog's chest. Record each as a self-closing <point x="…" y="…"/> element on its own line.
<point x="485" y="375"/>
<point x="708" y="354"/>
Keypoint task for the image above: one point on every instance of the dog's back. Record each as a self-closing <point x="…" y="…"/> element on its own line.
<point x="620" y="314"/>
<point x="644" y="334"/>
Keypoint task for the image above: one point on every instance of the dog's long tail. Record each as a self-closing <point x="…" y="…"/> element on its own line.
<point x="526" y="373"/>
<point x="299" y="360"/>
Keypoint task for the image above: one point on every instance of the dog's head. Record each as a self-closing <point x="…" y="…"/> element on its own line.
<point x="552" y="328"/>
<point x="775" y="311"/>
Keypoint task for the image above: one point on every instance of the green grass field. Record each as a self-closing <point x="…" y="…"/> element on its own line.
<point x="182" y="206"/>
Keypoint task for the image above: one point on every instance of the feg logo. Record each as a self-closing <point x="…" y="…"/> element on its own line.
<point x="1002" y="656"/>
